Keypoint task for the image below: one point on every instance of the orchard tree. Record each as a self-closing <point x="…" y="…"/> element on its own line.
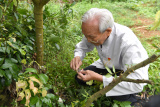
<point x="38" y="15"/>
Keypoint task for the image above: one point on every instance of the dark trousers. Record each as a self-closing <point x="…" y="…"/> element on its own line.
<point x="129" y="97"/>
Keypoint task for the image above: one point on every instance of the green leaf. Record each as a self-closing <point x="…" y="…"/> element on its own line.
<point x="8" y="82"/>
<point x="1" y="13"/>
<point x="30" y="70"/>
<point x="108" y="70"/>
<point x="89" y="82"/>
<point x="39" y="103"/>
<point x="14" y="60"/>
<point x="1" y="73"/>
<point x="154" y="45"/>
<point x="108" y="75"/>
<point x="34" y="100"/>
<point x="158" y="50"/>
<point x="101" y="86"/>
<point x="47" y="101"/>
<point x="53" y="39"/>
<point x="23" y="61"/>
<point x="8" y="74"/>
<point x="15" y="2"/>
<point x="51" y="96"/>
<point x="22" y="52"/>
<point x="115" y="105"/>
<point x="114" y="69"/>
<point x="1" y="61"/>
<point x="14" y="70"/>
<point x="125" y="104"/>
<point x="43" y="77"/>
<point x="15" y="14"/>
<point x="7" y="65"/>
<point x="3" y="49"/>
<point x="22" y="11"/>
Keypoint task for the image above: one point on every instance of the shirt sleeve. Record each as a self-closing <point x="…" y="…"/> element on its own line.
<point x="132" y="55"/>
<point x="83" y="47"/>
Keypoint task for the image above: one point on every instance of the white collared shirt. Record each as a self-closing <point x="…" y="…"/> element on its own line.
<point x="120" y="49"/>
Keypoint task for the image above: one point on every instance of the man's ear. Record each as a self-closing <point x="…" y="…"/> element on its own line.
<point x="108" y="31"/>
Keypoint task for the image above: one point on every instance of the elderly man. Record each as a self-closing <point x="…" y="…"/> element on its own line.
<point x="117" y="46"/>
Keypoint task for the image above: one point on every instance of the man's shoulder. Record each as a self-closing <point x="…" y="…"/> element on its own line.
<point x="122" y="28"/>
<point x="125" y="34"/>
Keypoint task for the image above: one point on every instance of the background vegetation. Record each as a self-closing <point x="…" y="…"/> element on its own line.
<point x="62" y="31"/>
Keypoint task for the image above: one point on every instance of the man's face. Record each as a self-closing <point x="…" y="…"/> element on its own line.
<point x="91" y="31"/>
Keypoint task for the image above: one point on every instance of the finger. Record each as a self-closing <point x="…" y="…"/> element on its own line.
<point x="84" y="72"/>
<point x="74" y="64"/>
<point x="79" y="77"/>
<point x="71" y="64"/>
<point x="79" y="64"/>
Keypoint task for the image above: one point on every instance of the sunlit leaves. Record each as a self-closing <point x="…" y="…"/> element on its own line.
<point x="21" y="95"/>
<point x="15" y="2"/>
<point x="108" y="70"/>
<point x="157" y="21"/>
<point x="21" y="84"/>
<point x="28" y="96"/>
<point x="44" y="92"/>
<point x="23" y="61"/>
<point x="108" y="75"/>
<point x="89" y="82"/>
<point x="43" y="77"/>
<point x="30" y="70"/>
<point x="36" y="80"/>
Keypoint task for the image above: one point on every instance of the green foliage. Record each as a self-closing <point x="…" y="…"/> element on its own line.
<point x="58" y="61"/>
<point x="121" y="103"/>
<point x="62" y="31"/>
<point x="16" y="40"/>
<point x="32" y="89"/>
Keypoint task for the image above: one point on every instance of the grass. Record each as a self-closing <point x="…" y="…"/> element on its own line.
<point x="58" y="61"/>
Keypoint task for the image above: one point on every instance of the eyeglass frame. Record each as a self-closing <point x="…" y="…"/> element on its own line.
<point x="95" y="41"/>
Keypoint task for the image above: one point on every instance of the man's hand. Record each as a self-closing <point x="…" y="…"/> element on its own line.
<point x="76" y="63"/>
<point x="89" y="75"/>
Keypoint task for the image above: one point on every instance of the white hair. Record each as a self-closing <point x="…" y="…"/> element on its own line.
<point x="104" y="16"/>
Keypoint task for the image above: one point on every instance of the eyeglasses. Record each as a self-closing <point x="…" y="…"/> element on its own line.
<point x="94" y="41"/>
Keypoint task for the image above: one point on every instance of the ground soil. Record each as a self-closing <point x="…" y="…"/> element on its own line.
<point x="143" y="25"/>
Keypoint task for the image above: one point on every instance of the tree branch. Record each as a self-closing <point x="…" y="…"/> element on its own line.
<point x="119" y="79"/>
<point x="137" y="81"/>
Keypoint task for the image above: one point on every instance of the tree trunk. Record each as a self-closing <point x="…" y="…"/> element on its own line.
<point x="38" y="15"/>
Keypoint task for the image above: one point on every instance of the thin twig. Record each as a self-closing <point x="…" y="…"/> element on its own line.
<point x="137" y="81"/>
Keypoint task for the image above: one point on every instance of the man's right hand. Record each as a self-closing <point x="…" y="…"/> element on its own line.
<point x="76" y="63"/>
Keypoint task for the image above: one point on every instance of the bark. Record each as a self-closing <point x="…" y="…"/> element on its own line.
<point x="38" y="15"/>
<point x="122" y="77"/>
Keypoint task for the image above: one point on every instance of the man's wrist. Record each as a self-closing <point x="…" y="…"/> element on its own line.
<point x="97" y="77"/>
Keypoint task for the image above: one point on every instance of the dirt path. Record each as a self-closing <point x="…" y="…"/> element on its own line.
<point x="143" y="25"/>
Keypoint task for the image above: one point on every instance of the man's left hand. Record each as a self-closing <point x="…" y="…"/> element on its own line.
<point x="88" y="75"/>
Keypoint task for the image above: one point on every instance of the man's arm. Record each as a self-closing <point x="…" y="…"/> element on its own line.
<point x="83" y="47"/>
<point x="79" y="53"/>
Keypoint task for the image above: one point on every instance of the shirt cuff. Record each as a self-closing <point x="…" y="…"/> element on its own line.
<point x="106" y="81"/>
